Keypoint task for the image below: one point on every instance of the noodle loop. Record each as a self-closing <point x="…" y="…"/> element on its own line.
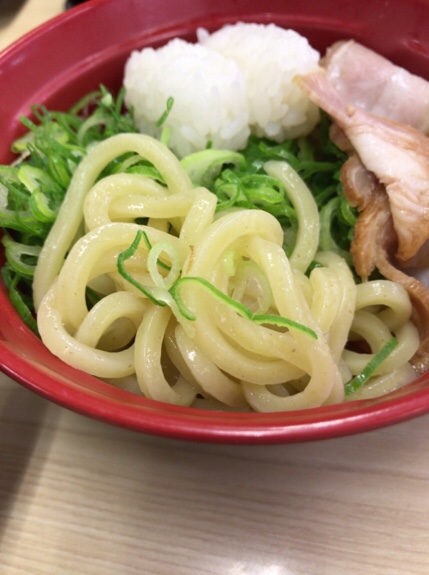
<point x="204" y="308"/>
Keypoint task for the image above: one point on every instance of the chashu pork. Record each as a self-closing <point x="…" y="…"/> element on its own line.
<point x="375" y="240"/>
<point x="387" y="178"/>
<point x="396" y="153"/>
<point x="371" y="82"/>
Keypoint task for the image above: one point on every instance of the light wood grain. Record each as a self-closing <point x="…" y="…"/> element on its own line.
<point x="80" y="497"/>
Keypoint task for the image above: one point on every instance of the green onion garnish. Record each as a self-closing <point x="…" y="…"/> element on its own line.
<point x="174" y="292"/>
<point x="362" y="378"/>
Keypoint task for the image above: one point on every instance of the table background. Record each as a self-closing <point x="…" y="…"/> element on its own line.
<point x="81" y="497"/>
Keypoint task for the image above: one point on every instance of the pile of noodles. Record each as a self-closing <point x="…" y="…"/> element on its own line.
<point x="198" y="308"/>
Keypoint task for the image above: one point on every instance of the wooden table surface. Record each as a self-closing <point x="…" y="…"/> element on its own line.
<point x="81" y="497"/>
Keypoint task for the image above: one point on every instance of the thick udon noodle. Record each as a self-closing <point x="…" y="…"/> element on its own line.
<point x="218" y="355"/>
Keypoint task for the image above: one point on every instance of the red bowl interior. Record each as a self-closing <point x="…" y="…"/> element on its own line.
<point x="72" y="54"/>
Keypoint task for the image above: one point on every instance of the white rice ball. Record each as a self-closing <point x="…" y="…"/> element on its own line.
<point x="270" y="57"/>
<point x="209" y="92"/>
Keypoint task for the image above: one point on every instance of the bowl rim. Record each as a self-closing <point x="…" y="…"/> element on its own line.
<point x="137" y="413"/>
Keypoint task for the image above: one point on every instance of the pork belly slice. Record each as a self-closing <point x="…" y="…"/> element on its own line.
<point x="374" y="230"/>
<point x="369" y="81"/>
<point x="397" y="154"/>
<point x="374" y="239"/>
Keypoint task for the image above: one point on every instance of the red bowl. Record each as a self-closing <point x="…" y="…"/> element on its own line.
<point x="72" y="54"/>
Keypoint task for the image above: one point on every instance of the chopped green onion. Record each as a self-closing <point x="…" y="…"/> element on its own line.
<point x="240" y="308"/>
<point x="166" y="113"/>
<point x="165" y="136"/>
<point x="154" y="261"/>
<point x="23" y="309"/>
<point x="362" y="378"/>
<point x="174" y="291"/>
<point x="127" y="254"/>
<point x="39" y="205"/>
<point x="149" y="247"/>
<point x="18" y="255"/>
<point x="237" y="306"/>
<point x="205" y="166"/>
<point x="33" y="187"/>
<point x="19" y="295"/>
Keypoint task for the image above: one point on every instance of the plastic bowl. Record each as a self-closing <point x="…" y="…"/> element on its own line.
<point x="72" y="54"/>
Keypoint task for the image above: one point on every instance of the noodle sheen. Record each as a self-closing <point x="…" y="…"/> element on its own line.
<point x="210" y="355"/>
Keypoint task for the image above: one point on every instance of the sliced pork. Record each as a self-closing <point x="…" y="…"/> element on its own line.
<point x="373" y="232"/>
<point x="397" y="154"/>
<point x="374" y="239"/>
<point x="369" y="81"/>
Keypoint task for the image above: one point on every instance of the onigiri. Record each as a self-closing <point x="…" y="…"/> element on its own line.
<point x="207" y="91"/>
<point x="232" y="83"/>
<point x="270" y="57"/>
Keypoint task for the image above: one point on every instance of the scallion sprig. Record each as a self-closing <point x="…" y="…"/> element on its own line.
<point x="212" y="290"/>
<point x="369" y="370"/>
<point x="33" y="187"/>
